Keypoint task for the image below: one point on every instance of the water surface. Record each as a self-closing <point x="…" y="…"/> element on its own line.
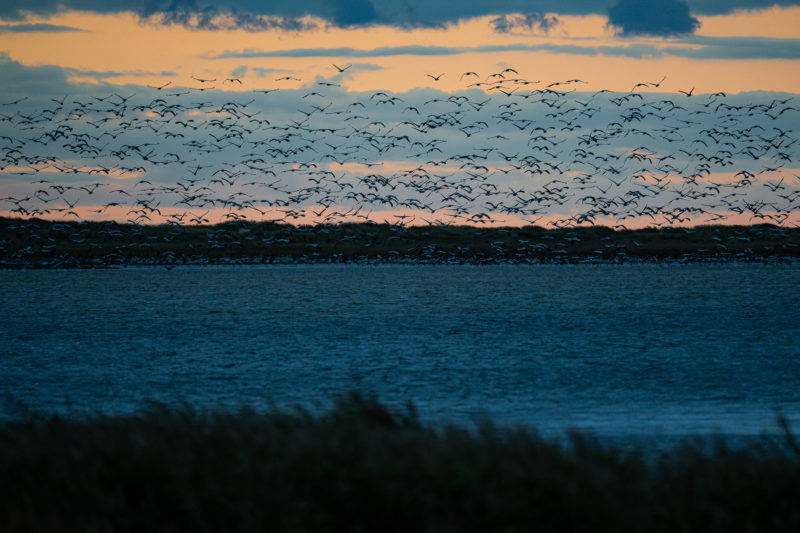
<point x="618" y="349"/>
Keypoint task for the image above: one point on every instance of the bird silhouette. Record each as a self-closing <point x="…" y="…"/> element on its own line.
<point x="500" y="150"/>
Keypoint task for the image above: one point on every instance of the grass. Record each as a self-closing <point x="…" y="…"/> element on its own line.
<point x="46" y="243"/>
<point x="361" y="466"/>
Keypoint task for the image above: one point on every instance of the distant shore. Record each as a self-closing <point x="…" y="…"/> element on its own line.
<point x="36" y="243"/>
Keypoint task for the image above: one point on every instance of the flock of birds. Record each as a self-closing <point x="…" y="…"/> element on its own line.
<point x="504" y="150"/>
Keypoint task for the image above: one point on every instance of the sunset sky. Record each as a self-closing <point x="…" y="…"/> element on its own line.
<point x="415" y="50"/>
<point x="713" y="46"/>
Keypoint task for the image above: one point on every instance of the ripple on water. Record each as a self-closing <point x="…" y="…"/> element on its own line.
<point x="616" y="348"/>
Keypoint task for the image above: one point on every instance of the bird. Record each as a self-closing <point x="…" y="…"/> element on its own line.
<point x="159" y="87"/>
<point x="338" y="152"/>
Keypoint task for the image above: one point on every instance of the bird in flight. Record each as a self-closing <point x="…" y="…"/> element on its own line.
<point x="202" y="80"/>
<point x="15" y="102"/>
<point x="285" y="78"/>
<point x="435" y="78"/>
<point x="232" y="80"/>
<point x="341" y="69"/>
<point x="159" y="87"/>
<point x="687" y="93"/>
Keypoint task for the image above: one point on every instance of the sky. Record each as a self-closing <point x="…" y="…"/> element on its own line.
<point x="357" y="83"/>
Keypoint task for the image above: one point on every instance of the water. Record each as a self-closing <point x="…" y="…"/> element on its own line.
<point x="619" y="350"/>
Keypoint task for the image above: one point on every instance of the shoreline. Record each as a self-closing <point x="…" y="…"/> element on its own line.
<point x="378" y="262"/>
<point x="37" y="243"/>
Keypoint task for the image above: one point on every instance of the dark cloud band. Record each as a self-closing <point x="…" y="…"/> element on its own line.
<point x="709" y="48"/>
<point x="631" y="16"/>
<point x="33" y="28"/>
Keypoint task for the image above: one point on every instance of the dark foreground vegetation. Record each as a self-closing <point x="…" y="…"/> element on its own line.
<point x="42" y="243"/>
<point x="362" y="467"/>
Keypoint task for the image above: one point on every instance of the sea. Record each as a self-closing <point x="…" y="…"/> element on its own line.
<point x="615" y="350"/>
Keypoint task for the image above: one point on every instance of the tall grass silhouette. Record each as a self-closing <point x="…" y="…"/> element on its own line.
<point x="361" y="466"/>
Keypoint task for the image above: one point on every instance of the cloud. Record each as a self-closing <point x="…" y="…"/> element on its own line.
<point x="295" y="15"/>
<point x="261" y="72"/>
<point x="365" y="66"/>
<point x="353" y="12"/>
<point x="715" y="7"/>
<point x="258" y="16"/>
<point x="695" y="47"/>
<point x="248" y="15"/>
<point x="739" y="48"/>
<point x="346" y="51"/>
<point x="43" y="80"/>
<point x="211" y="19"/>
<point x="31" y="28"/>
<point x="422" y="50"/>
<point x="35" y="81"/>
<point x="652" y="17"/>
<point x="527" y="22"/>
<point x="106" y="74"/>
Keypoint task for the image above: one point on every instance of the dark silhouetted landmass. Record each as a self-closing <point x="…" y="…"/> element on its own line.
<point x="363" y="467"/>
<point x="41" y="243"/>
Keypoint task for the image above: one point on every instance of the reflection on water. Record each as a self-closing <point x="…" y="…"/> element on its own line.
<point x="627" y="349"/>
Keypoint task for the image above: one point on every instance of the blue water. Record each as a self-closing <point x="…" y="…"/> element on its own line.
<point x="616" y="349"/>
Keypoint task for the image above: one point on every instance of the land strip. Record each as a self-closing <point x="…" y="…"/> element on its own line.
<point x="60" y="244"/>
